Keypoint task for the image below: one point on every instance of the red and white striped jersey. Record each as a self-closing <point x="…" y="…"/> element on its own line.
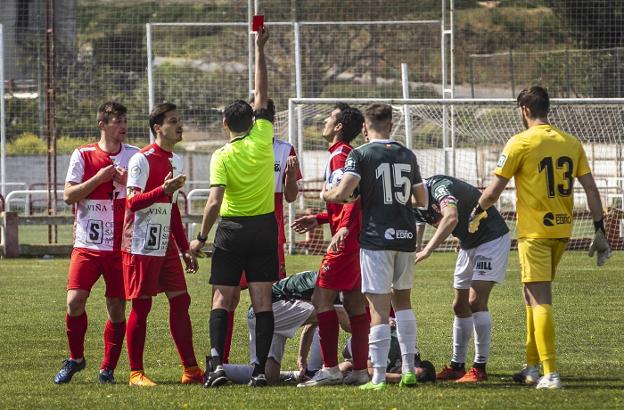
<point x="147" y="230"/>
<point x="282" y="150"/>
<point x="99" y="217"/>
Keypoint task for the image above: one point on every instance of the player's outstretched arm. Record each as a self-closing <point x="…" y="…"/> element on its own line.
<point x="445" y="228"/>
<point x="211" y="213"/>
<point x="343" y="191"/>
<point x="599" y="244"/>
<point x="261" y="80"/>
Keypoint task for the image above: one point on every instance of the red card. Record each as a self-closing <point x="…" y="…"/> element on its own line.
<point x="257" y="22"/>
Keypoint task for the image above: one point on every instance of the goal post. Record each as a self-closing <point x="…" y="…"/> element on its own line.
<point x="481" y="127"/>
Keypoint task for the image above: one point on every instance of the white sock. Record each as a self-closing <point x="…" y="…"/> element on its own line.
<point x="406" y="333"/>
<point x="462" y="331"/>
<point x="315" y="358"/>
<point x="238" y="373"/>
<point x="378" y="348"/>
<point x="482" y="336"/>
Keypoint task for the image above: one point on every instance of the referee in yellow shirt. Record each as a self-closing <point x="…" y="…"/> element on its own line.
<point x="242" y="185"/>
<point x="544" y="162"/>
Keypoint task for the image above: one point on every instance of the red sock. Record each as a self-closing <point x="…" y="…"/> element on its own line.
<point x="181" y="329"/>
<point x="113" y="341"/>
<point x="328" y="330"/>
<point x="76" y="330"/>
<point x="228" y="338"/>
<point x="360" y="325"/>
<point x="136" y="330"/>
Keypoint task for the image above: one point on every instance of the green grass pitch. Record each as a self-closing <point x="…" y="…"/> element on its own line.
<point x="588" y="307"/>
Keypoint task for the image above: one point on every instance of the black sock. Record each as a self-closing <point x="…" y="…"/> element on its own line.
<point x="218" y="333"/>
<point x="264" y="335"/>
<point x="480" y="366"/>
<point x="417" y="360"/>
<point x="457" y="366"/>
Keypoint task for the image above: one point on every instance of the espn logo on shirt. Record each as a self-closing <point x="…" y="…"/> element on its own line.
<point x="391" y="234"/>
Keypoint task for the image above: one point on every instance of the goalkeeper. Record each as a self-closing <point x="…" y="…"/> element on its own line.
<point x="544" y="161"/>
<point x="481" y="263"/>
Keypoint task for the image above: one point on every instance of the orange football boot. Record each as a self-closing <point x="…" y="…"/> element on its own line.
<point x="473" y="375"/>
<point x="448" y="373"/>
<point x="140" y="379"/>
<point x="192" y="375"/>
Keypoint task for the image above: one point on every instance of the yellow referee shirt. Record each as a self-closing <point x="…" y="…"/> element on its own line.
<point x="245" y="167"/>
<point x="544" y="162"/>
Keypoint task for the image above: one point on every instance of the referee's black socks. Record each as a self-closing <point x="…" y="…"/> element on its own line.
<point x="265" y="325"/>
<point x="218" y="332"/>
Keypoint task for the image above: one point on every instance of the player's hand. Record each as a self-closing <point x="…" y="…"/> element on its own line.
<point x="173" y="184"/>
<point x="305" y="224"/>
<point x="337" y="242"/>
<point x="422" y="255"/>
<point x="262" y="35"/>
<point x="121" y="175"/>
<point x="302" y="365"/>
<point x="106" y="174"/>
<point x="292" y="166"/>
<point x="475" y="219"/>
<point x="195" y="247"/>
<point x="600" y="245"/>
<point x="190" y="261"/>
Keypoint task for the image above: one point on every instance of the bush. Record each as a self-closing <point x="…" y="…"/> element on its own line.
<point x="27" y="144"/>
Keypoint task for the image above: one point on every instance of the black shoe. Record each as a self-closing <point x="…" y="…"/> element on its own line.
<point x="70" y="367"/>
<point x="257" y="381"/>
<point x="106" y="376"/>
<point x="216" y="378"/>
<point x="428" y="373"/>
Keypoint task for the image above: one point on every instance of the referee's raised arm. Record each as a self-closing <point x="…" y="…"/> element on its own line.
<point x="261" y="81"/>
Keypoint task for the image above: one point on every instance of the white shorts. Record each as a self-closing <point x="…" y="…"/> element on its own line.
<point x="486" y="262"/>
<point x="383" y="271"/>
<point x="289" y="316"/>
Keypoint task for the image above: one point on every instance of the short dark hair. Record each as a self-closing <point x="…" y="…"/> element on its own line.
<point x="535" y="99"/>
<point x="238" y="116"/>
<point x="110" y="109"/>
<point x="378" y="115"/>
<point x="269" y="111"/>
<point x="157" y="116"/>
<point x="351" y="119"/>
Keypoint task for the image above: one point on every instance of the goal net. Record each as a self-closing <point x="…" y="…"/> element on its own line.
<point x="464" y="138"/>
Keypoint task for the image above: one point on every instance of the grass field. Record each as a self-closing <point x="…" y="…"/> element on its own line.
<point x="590" y="342"/>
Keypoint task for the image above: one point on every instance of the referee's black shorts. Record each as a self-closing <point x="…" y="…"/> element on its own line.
<point x="245" y="243"/>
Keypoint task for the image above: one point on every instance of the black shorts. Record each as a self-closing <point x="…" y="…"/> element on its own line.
<point x="245" y="243"/>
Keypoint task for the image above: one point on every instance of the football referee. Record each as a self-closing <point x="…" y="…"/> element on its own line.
<point x="241" y="182"/>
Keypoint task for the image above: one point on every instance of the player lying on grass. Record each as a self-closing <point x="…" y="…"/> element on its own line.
<point x="481" y="263"/>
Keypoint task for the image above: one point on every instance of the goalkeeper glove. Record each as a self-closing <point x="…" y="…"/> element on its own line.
<point x="600" y="244"/>
<point x="476" y="216"/>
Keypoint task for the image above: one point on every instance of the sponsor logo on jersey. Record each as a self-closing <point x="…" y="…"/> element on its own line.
<point x="391" y="234"/>
<point x="559" y="219"/>
<point x="97" y="207"/>
<point x="501" y="161"/>
<point x="277" y="167"/>
<point x="441" y="191"/>
<point x="135" y="171"/>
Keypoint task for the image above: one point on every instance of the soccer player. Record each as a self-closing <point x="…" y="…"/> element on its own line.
<point x="544" y="161"/>
<point x="292" y="309"/>
<point x="287" y="175"/>
<point x="242" y="184"/>
<point x="340" y="268"/>
<point x="481" y="263"/>
<point x="153" y="227"/>
<point x="96" y="184"/>
<point x="388" y="176"/>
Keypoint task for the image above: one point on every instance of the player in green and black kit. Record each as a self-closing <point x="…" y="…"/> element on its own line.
<point x="481" y="262"/>
<point x="387" y="174"/>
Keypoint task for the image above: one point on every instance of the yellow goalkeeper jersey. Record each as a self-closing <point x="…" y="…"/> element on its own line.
<point x="544" y="162"/>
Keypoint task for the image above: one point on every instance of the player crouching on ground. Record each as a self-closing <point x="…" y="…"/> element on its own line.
<point x="481" y="263"/>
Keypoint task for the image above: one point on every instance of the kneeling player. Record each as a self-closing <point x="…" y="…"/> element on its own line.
<point x="481" y="262"/>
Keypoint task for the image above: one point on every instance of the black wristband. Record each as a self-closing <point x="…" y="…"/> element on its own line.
<point x="599" y="225"/>
<point x="202" y="238"/>
<point x="477" y="209"/>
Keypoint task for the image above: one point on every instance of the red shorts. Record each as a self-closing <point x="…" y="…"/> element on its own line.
<point x="148" y="275"/>
<point x="86" y="266"/>
<point x="340" y="271"/>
